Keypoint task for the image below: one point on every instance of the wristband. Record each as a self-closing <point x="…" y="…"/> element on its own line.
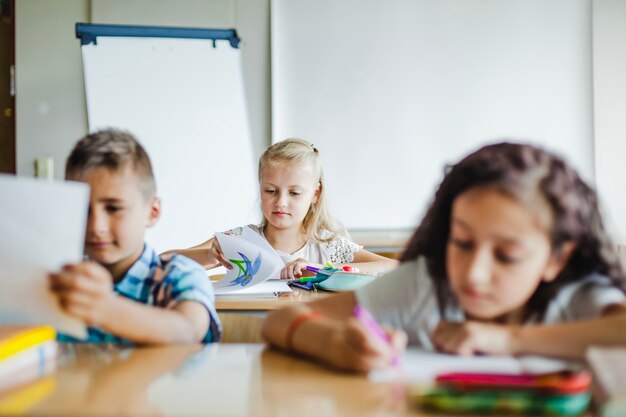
<point x="296" y="322"/>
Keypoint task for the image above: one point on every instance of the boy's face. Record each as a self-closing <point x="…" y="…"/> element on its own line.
<point x="118" y="216"/>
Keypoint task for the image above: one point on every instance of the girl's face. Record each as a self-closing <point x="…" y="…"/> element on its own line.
<point x="287" y="191"/>
<point x="497" y="255"/>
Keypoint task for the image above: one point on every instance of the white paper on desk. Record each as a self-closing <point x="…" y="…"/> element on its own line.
<point x="265" y="289"/>
<point x="253" y="260"/>
<point x="42" y="227"/>
<point x="421" y="366"/>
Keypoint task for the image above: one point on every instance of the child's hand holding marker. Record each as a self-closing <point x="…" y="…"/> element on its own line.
<point x="366" y="318"/>
<point x="365" y="346"/>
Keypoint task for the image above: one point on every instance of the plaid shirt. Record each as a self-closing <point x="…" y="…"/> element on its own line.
<point x="154" y="281"/>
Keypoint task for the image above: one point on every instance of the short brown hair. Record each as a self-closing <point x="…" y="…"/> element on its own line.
<point x="113" y="149"/>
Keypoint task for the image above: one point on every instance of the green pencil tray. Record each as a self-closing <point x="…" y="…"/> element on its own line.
<point x="340" y="281"/>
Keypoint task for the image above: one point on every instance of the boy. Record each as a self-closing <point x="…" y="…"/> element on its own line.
<point x="127" y="293"/>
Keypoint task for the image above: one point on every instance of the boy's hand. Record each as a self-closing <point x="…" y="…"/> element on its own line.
<point x="297" y="269"/>
<point x="471" y="337"/>
<point x="215" y="252"/>
<point x="354" y="347"/>
<point x="85" y="290"/>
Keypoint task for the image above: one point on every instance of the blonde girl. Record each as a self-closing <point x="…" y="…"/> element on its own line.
<point x="296" y="221"/>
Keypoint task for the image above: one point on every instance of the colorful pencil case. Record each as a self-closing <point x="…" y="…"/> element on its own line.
<point x="503" y="401"/>
<point x="563" y="382"/>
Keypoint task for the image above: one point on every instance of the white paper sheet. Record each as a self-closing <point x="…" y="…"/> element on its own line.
<point x="420" y="366"/>
<point x="253" y="260"/>
<point x="42" y="227"/>
<point x="265" y="289"/>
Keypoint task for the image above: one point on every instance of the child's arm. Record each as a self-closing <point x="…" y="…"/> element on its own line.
<point x="563" y="340"/>
<point x="325" y="330"/>
<point x="85" y="291"/>
<point x="365" y="261"/>
<point x="208" y="254"/>
<point x="370" y="262"/>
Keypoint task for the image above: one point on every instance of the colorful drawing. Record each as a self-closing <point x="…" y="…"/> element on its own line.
<point x="247" y="269"/>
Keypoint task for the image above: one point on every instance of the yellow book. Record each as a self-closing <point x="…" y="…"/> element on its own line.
<point x="15" y="338"/>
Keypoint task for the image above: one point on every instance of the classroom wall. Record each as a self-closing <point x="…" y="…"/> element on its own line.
<point x="609" y="84"/>
<point x="51" y="111"/>
<point x="50" y="92"/>
<point x="392" y="92"/>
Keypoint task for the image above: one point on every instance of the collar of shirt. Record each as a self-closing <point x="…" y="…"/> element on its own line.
<point x="139" y="279"/>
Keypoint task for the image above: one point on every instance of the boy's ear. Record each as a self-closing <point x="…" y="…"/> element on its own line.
<point x="155" y="212"/>
<point x="558" y="260"/>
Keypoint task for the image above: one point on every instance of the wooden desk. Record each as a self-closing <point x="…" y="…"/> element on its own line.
<point x="189" y="380"/>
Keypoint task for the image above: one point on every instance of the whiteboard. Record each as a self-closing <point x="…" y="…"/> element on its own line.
<point x="184" y="100"/>
<point x="392" y="91"/>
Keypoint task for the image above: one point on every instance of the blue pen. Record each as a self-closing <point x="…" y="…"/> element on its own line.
<point x="366" y="318"/>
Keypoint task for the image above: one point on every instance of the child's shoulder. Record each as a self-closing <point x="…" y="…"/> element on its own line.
<point x="340" y="249"/>
<point x="238" y="230"/>
<point x="178" y="267"/>
<point x="584" y="298"/>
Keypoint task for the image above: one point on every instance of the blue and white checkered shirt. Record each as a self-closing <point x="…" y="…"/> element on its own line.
<point x="159" y="283"/>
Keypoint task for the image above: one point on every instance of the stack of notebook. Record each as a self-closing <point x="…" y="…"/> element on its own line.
<point x="26" y="353"/>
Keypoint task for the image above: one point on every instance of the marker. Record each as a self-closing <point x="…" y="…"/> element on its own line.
<point x="366" y="318"/>
<point x="317" y="270"/>
<point x="317" y="278"/>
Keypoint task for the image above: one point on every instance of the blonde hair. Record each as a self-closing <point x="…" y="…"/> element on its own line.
<point x="318" y="218"/>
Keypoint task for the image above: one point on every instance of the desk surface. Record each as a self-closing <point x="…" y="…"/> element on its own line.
<point x="216" y="380"/>
<point x="195" y="380"/>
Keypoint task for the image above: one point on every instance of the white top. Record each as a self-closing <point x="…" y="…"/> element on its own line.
<point x="337" y="251"/>
<point x="405" y="298"/>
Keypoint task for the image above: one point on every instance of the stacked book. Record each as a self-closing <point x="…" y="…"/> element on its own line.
<point x="27" y="352"/>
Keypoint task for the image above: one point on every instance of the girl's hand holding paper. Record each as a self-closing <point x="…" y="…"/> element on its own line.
<point x="252" y="258"/>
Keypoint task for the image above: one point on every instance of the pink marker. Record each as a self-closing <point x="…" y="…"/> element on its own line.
<point x="366" y="318"/>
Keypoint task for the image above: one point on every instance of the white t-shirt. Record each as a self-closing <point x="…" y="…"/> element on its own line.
<point x="405" y="299"/>
<point x="337" y="251"/>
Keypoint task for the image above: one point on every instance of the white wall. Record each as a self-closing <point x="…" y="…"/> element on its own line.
<point x="391" y="92"/>
<point x="609" y="83"/>
<point x="50" y="94"/>
<point x="51" y="111"/>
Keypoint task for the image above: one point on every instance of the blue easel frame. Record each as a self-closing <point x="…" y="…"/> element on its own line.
<point x="89" y="32"/>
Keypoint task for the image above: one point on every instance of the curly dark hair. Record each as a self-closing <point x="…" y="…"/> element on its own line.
<point x="530" y="175"/>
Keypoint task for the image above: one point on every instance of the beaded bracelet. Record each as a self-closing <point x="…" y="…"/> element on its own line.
<point x="296" y="322"/>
